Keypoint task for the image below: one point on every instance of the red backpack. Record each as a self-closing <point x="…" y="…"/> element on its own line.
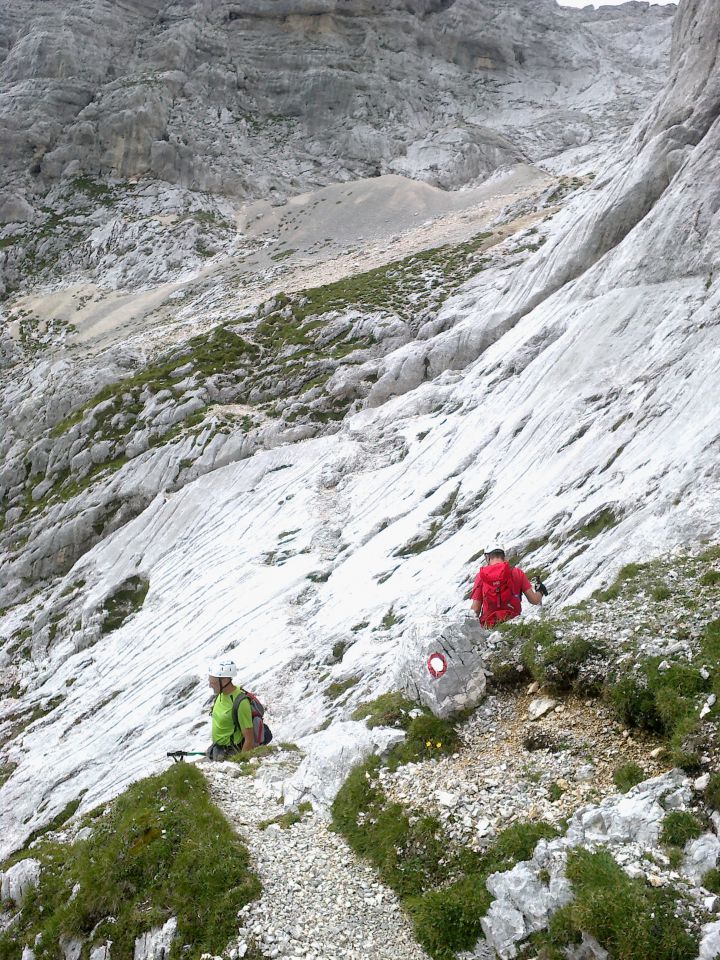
<point x="499" y="600"/>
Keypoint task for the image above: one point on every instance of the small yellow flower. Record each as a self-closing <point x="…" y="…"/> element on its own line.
<point x="428" y="743"/>
<point x="438" y="744"/>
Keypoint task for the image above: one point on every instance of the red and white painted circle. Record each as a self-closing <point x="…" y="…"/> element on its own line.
<point x="437" y="665"/>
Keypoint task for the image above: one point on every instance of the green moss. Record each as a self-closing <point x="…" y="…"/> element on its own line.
<point x="679" y="827"/>
<point x="604" y="520"/>
<point x="627" y="776"/>
<point x="388" y="710"/>
<point x="390" y="619"/>
<point x="126" y="600"/>
<point x="334" y="690"/>
<point x="154" y="856"/>
<point x="627" y="919"/>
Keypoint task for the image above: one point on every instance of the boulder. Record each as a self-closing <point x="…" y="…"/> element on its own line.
<point x="18" y="879"/>
<point x="540" y="706"/>
<point x="701" y="855"/>
<point x="710" y="941"/>
<point x="330" y="756"/>
<point x="442" y="666"/>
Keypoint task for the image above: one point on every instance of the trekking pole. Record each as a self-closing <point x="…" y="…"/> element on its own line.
<point x="179" y="755"/>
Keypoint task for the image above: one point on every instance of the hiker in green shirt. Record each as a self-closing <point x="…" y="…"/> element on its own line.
<point x="226" y="738"/>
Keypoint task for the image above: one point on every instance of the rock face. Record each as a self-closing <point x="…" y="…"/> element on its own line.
<point x="156" y="943"/>
<point x="269" y="98"/>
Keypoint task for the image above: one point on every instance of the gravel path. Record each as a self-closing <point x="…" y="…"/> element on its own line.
<point x="319" y="901"/>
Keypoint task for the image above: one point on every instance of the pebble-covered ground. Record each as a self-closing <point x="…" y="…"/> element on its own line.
<point x="502" y="775"/>
<point x="319" y="901"/>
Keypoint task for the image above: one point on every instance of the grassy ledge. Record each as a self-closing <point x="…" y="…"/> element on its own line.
<point x="161" y="850"/>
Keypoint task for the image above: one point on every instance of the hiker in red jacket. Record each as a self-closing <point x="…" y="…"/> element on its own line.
<point x="498" y="590"/>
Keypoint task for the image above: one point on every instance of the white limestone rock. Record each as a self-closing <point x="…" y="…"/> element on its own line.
<point x="17" y="880"/>
<point x="710" y="941"/>
<point x="156" y="943"/>
<point x="330" y="756"/>
<point x="701" y="855"/>
<point x="540" y="706"/>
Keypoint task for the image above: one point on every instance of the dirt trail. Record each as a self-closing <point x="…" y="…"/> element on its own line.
<point x="319" y="901"/>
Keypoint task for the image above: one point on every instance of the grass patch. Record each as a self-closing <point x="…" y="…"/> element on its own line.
<point x="289" y="819"/>
<point x="711" y="881"/>
<point x="678" y="827"/>
<point x="153" y="856"/>
<point x="627" y="776"/>
<point x="334" y="690"/>
<point x="627" y="919"/>
<point x="126" y="600"/>
<point x="604" y="520"/>
<point x="388" y="710"/>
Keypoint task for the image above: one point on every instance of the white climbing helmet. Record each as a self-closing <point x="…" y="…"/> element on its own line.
<point x="495" y="543"/>
<point x="222" y="668"/>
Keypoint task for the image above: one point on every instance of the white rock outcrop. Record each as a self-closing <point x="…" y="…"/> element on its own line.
<point x="330" y="756"/>
<point x="17" y="880"/>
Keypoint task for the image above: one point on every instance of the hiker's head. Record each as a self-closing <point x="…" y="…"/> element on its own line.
<point x="495" y="551"/>
<point x="220" y="675"/>
<point x="495" y="556"/>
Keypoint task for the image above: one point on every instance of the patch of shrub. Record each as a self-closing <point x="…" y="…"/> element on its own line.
<point x="661" y="593"/>
<point x="627" y="919"/>
<point x="663" y="701"/>
<point x="710" y="579"/>
<point x="554" y="661"/>
<point x="678" y="827"/>
<point x="153" y="856"/>
<point x="627" y="776"/>
<point x="711" y="881"/>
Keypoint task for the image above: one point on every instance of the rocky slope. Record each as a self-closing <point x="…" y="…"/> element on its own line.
<point x="304" y="474"/>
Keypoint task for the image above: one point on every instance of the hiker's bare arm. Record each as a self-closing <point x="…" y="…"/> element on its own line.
<point x="477" y="607"/>
<point x="248" y="739"/>
<point x="533" y="596"/>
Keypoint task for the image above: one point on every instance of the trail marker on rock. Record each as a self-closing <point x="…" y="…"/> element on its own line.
<point x="437" y="665"/>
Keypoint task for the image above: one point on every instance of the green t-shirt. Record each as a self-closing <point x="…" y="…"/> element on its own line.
<point x="222" y="720"/>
